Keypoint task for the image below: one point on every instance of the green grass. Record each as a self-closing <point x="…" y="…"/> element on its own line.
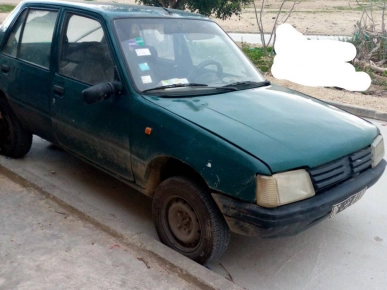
<point x="347" y="8"/>
<point x="258" y="58"/>
<point x="5" y="8"/>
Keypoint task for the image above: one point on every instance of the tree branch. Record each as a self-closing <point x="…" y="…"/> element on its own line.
<point x="290" y="11"/>
<point x="383" y="23"/>
<point x="263" y="32"/>
<point x="175" y="3"/>
<point x="275" y="23"/>
<point x="162" y="3"/>
<point x="368" y="65"/>
<point x="260" y="28"/>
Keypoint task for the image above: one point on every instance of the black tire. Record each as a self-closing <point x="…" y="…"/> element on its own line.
<point x="15" y="141"/>
<point x="188" y="220"/>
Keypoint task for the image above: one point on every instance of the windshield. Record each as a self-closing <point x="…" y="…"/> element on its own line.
<point x="182" y="54"/>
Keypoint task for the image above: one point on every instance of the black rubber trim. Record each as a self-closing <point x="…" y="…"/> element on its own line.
<point x="253" y="220"/>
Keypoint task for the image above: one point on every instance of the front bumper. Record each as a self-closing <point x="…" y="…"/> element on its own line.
<point x="252" y="220"/>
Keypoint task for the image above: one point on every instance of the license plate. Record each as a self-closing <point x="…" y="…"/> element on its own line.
<point x="347" y="203"/>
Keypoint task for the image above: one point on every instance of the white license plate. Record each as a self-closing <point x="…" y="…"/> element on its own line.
<point x="347" y="203"/>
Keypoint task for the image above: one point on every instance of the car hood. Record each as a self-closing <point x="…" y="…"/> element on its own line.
<point x="283" y="128"/>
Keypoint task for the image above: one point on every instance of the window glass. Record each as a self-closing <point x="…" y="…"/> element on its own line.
<point x="81" y="29"/>
<point x="85" y="54"/>
<point x="35" y="46"/>
<point x="184" y="55"/>
<point x="155" y="36"/>
<point x="11" y="46"/>
<point x="201" y="48"/>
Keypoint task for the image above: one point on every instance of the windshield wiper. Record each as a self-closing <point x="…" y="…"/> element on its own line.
<point x="188" y="85"/>
<point x="248" y="84"/>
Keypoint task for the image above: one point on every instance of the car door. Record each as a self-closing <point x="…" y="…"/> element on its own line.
<point x="25" y="68"/>
<point x="97" y="132"/>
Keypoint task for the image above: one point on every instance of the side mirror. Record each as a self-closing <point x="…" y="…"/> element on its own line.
<point x="100" y="92"/>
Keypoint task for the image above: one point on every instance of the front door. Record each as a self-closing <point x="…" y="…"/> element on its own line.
<point x="97" y="132"/>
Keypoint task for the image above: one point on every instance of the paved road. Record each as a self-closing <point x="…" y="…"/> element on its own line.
<point x="44" y="247"/>
<point x="347" y="252"/>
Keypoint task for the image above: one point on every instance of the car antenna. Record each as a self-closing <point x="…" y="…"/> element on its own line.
<point x="157" y="4"/>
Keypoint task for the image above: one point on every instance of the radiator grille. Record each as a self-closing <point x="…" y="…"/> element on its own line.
<point x="341" y="169"/>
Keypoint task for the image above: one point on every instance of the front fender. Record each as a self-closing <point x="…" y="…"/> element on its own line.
<point x="224" y="167"/>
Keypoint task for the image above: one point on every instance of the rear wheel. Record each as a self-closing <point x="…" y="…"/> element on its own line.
<point x="15" y="141"/>
<point x="188" y="220"/>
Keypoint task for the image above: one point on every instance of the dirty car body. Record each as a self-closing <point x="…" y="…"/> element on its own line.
<point x="164" y="101"/>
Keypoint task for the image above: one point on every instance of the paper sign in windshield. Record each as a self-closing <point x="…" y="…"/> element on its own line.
<point x="144" y="66"/>
<point x="146" y="79"/>
<point x="143" y="52"/>
<point x="175" y="81"/>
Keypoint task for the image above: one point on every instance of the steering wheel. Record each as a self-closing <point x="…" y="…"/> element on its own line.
<point x="195" y="73"/>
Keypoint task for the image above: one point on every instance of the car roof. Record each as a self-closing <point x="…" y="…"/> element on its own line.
<point x="118" y="10"/>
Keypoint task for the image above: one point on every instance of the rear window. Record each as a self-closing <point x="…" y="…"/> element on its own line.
<point x="31" y="37"/>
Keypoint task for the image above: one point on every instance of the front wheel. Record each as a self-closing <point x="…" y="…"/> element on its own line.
<point x="188" y="220"/>
<point x="15" y="141"/>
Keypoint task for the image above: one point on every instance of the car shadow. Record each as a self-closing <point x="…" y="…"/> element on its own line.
<point x="93" y="186"/>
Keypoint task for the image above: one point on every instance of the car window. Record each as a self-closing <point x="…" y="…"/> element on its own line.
<point x="163" y="52"/>
<point x="163" y="42"/>
<point x="32" y="42"/>
<point x="36" y="39"/>
<point x="82" y="29"/>
<point x="85" y="54"/>
<point x="202" y="48"/>
<point x="11" y="46"/>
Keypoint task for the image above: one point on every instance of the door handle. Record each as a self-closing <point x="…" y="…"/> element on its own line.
<point x="5" y="68"/>
<point x="59" y="90"/>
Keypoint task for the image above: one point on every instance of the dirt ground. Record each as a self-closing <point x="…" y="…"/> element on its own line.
<point x="334" y="17"/>
<point x="377" y="100"/>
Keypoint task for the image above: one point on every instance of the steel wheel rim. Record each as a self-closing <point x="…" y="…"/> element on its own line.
<point x="183" y="225"/>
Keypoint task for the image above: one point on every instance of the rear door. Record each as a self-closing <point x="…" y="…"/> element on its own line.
<point x="25" y="68"/>
<point x="97" y="132"/>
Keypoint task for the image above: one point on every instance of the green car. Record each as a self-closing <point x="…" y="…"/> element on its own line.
<point x="165" y="101"/>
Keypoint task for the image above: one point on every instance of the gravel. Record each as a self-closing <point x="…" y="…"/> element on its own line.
<point x="376" y="101"/>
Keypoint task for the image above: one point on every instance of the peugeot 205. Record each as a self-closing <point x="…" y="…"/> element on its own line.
<point x="165" y="101"/>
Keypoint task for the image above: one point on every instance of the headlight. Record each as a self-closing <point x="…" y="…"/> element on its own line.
<point x="283" y="188"/>
<point x="377" y="149"/>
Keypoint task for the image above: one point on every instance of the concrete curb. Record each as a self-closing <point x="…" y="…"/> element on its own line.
<point x="184" y="267"/>
<point x="361" y="111"/>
